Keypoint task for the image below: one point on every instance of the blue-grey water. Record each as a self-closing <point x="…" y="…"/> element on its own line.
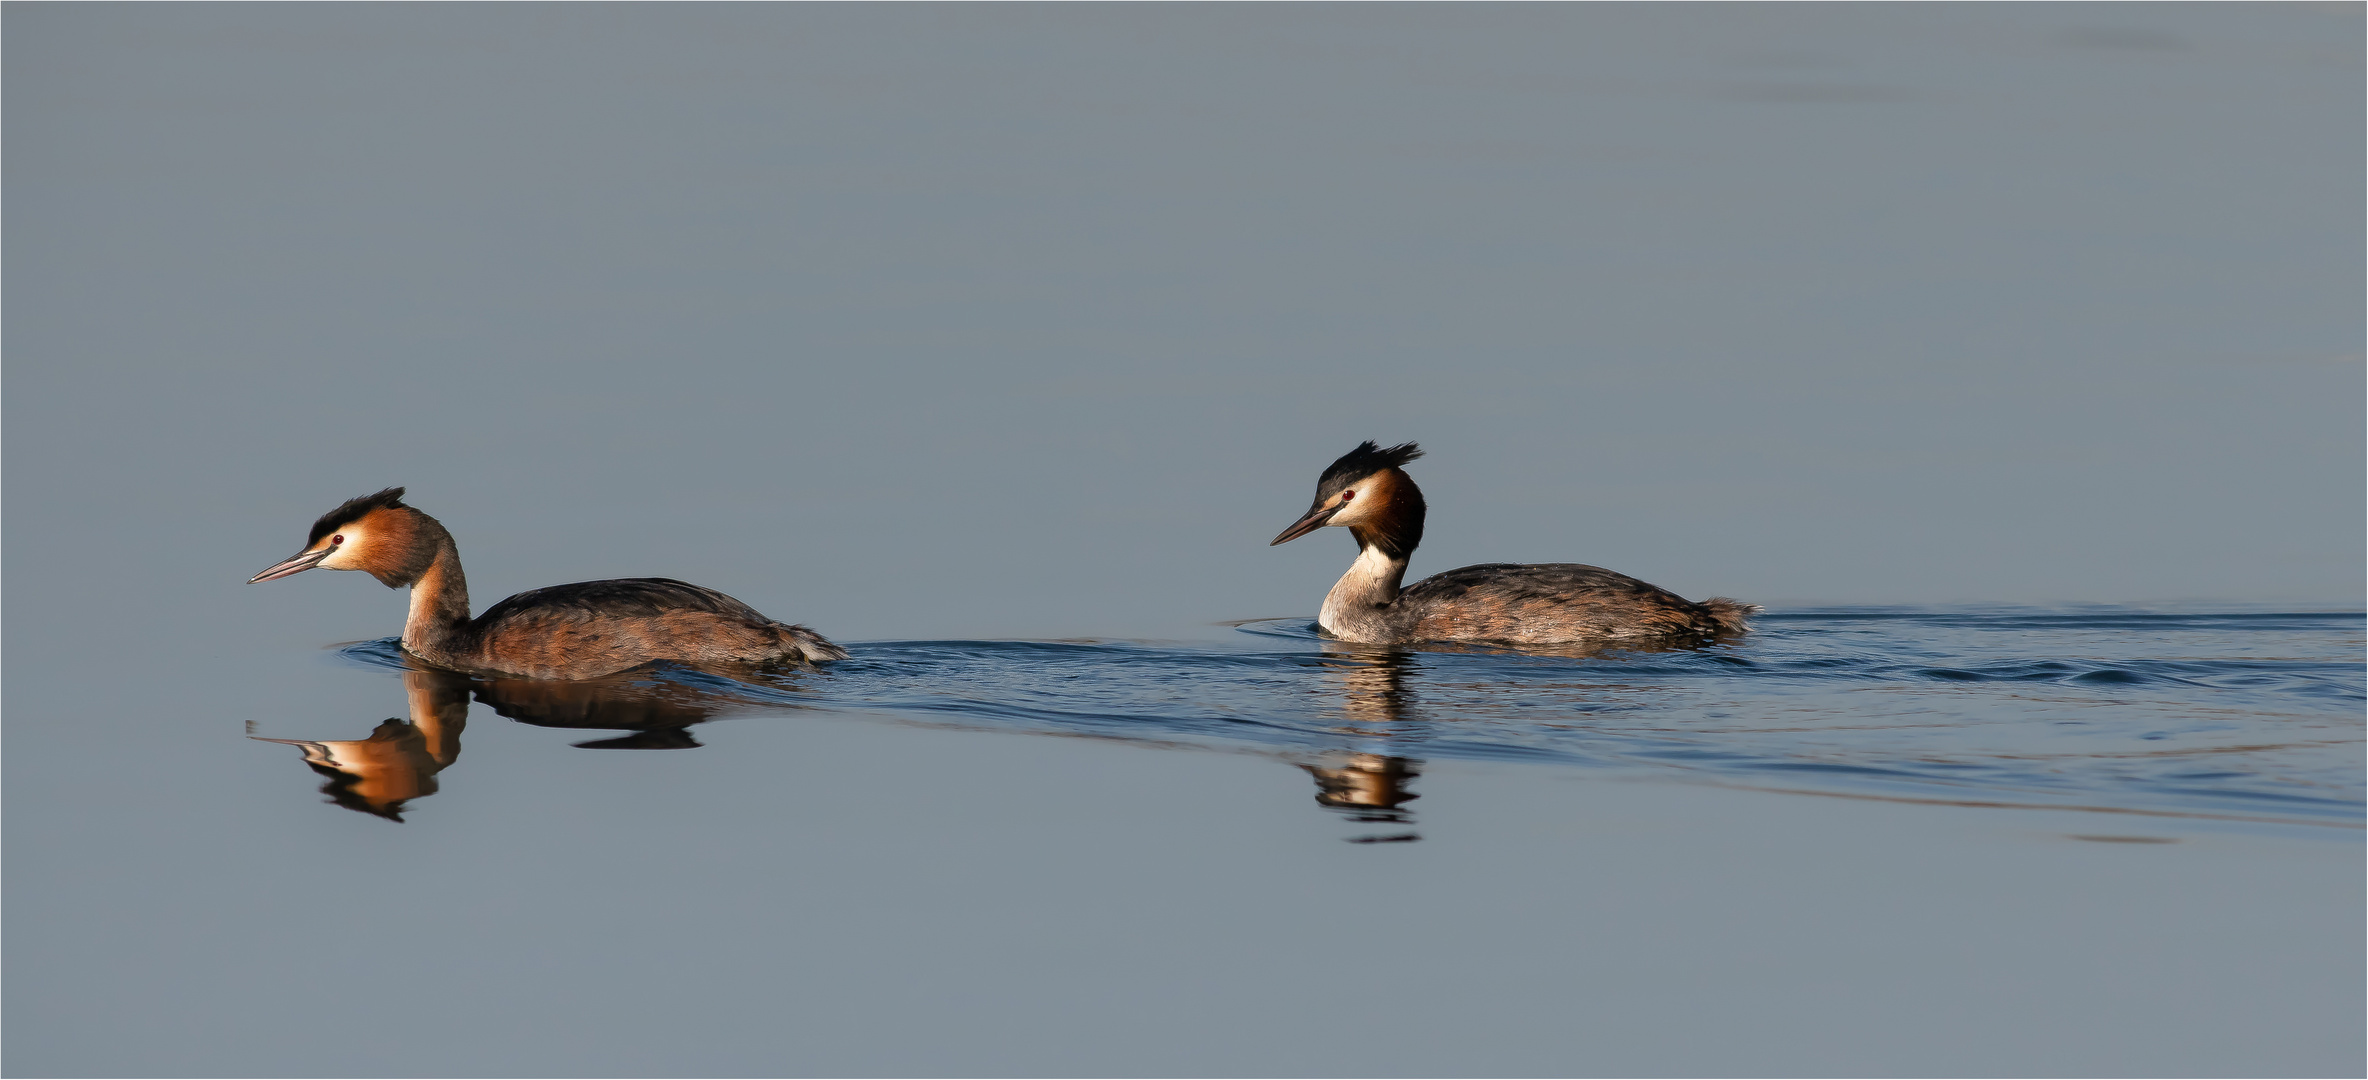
<point x="2244" y="716"/>
<point x="2010" y="354"/>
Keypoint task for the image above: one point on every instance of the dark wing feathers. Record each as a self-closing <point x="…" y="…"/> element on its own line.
<point x="1550" y="602"/>
<point x="1535" y="581"/>
<point x="643" y="597"/>
<point x="594" y="628"/>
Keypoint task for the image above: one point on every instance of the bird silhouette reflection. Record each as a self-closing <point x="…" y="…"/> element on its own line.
<point x="400" y="759"/>
<point x="1369" y="788"/>
<point x="1382" y="715"/>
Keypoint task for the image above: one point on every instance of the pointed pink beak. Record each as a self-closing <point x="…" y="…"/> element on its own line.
<point x="297" y="565"/>
<point x="1314" y="520"/>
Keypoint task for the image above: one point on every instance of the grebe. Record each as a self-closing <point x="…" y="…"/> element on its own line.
<point x="579" y="631"/>
<point x="1545" y="603"/>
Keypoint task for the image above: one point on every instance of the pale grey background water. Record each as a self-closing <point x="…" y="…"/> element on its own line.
<point x="924" y="321"/>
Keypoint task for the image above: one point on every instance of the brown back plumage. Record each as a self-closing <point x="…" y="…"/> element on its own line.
<point x="574" y="631"/>
<point x="1557" y="602"/>
<point x="592" y="628"/>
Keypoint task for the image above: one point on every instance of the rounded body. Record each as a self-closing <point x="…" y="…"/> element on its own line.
<point x="594" y="628"/>
<point x="1534" y="604"/>
<point x="579" y="631"/>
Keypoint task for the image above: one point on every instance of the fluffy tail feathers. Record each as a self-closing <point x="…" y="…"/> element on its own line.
<point x="807" y="644"/>
<point x="1728" y="616"/>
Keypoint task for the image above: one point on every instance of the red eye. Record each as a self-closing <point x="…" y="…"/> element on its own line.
<point x="337" y="539"/>
<point x="1347" y="495"/>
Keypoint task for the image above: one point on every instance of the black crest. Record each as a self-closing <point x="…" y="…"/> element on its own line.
<point x="1362" y="462"/>
<point x="390" y="499"/>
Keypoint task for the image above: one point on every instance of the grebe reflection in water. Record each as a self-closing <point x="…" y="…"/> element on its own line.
<point x="1368" y="788"/>
<point x="401" y="759"/>
<point x="1383" y="715"/>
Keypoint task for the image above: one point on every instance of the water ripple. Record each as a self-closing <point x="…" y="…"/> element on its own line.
<point x="2254" y="714"/>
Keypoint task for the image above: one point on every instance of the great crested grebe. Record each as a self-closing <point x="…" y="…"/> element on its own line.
<point x="579" y="631"/>
<point x="1544" y="603"/>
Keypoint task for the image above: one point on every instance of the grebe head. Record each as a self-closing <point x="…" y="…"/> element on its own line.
<point x="1365" y="488"/>
<point x="376" y="533"/>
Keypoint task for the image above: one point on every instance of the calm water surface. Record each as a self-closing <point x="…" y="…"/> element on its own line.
<point x="2250" y="716"/>
<point x="2128" y="838"/>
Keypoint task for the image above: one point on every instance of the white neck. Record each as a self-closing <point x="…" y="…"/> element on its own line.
<point x="1355" y="609"/>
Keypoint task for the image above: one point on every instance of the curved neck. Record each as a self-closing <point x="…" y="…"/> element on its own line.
<point x="439" y="601"/>
<point x="1358" y="604"/>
